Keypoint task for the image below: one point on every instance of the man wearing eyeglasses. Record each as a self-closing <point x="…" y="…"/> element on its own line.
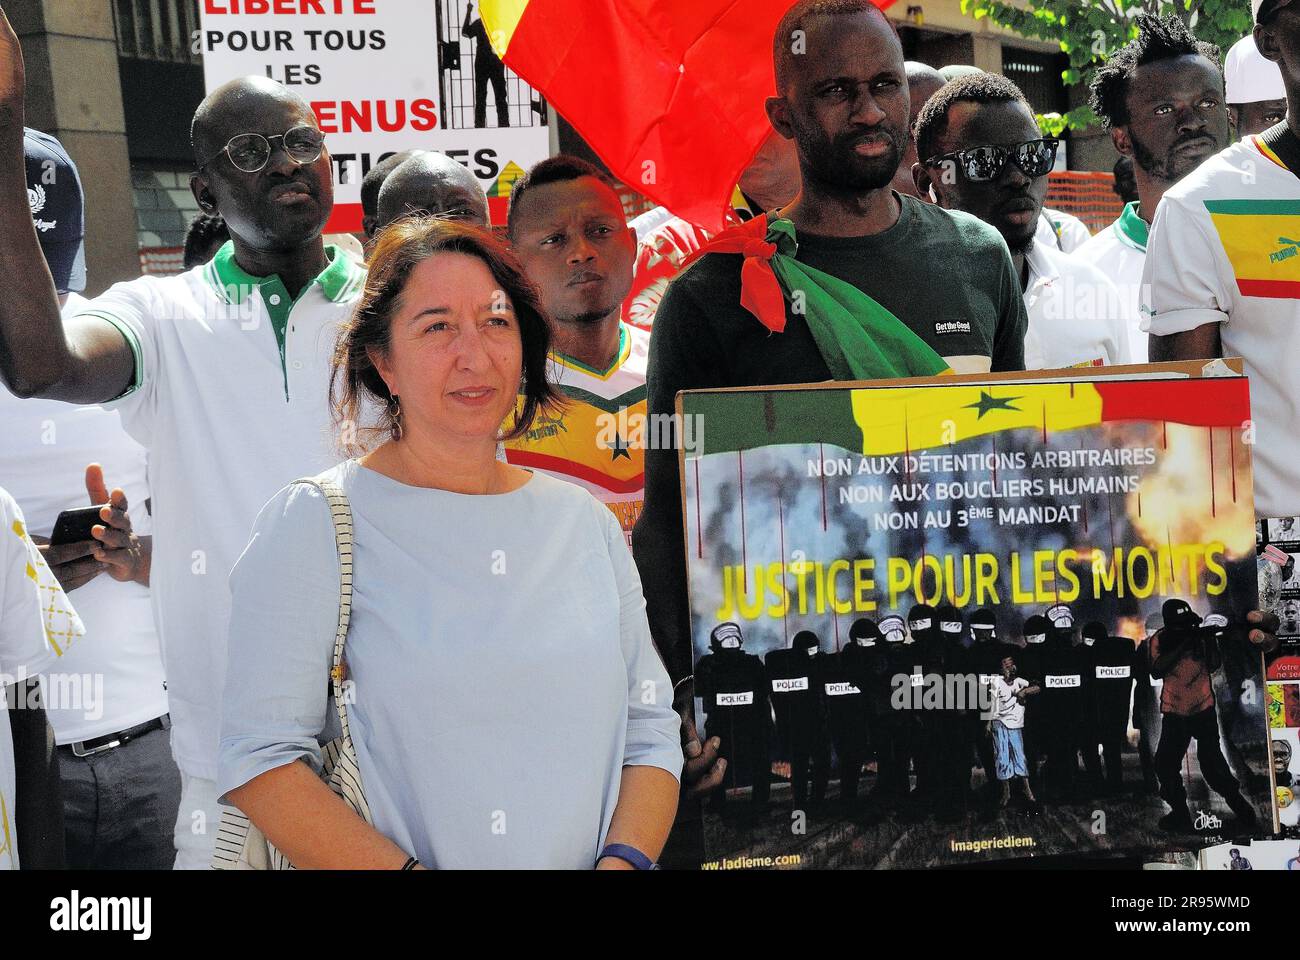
<point x="220" y="372"/>
<point x="983" y="154"/>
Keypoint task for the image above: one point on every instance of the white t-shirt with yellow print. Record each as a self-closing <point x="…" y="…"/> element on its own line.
<point x="37" y="626"/>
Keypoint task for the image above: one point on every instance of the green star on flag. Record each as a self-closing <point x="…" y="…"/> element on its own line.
<point x="989" y="402"/>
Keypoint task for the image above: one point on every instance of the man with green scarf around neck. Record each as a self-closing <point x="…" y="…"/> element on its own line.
<point x="926" y="289"/>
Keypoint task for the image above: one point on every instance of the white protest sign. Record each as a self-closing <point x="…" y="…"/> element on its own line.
<point x="380" y="81"/>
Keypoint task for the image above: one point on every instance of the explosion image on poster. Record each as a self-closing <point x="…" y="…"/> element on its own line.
<point x="936" y="624"/>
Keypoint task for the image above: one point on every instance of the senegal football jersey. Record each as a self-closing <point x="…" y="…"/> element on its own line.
<point x="1225" y="248"/>
<point x="598" y="440"/>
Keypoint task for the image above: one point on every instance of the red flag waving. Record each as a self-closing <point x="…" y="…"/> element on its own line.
<point x="669" y="93"/>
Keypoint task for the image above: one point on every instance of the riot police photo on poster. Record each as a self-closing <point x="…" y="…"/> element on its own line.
<point x="974" y="618"/>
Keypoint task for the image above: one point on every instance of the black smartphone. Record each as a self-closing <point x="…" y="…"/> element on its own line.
<point x="74" y="525"/>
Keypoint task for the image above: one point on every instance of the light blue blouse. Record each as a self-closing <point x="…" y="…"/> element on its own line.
<point x="504" y="672"/>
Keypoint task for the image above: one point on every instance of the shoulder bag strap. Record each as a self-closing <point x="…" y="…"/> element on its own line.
<point x="341" y="515"/>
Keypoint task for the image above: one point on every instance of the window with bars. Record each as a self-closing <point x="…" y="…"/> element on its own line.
<point x="157" y="29"/>
<point x="471" y="76"/>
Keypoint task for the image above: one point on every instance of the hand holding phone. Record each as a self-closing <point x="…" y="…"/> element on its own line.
<point x="88" y="541"/>
<point x="70" y="548"/>
<point x="74" y="526"/>
<point x="125" y="556"/>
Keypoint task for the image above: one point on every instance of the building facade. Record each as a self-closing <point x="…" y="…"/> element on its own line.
<point x="118" y="80"/>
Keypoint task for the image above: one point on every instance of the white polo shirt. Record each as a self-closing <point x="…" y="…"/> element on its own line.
<point x="1120" y="252"/>
<point x="1225" y="249"/>
<point x="37" y="626"/>
<point x="230" y="398"/>
<point x="1060" y="230"/>
<point x="1074" y="314"/>
<point x="115" y="680"/>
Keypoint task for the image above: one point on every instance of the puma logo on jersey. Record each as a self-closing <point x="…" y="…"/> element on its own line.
<point x="1286" y="253"/>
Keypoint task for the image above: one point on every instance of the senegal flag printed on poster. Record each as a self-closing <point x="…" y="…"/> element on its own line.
<point x="888" y="420"/>
<point x="1262" y="241"/>
<point x="896" y="421"/>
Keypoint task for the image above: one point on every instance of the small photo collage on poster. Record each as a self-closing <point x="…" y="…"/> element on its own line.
<point x="1252" y="855"/>
<point x="1280" y="538"/>
<point x="1284" y="734"/>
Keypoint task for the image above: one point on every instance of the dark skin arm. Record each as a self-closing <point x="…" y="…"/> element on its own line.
<point x="703" y="769"/>
<point x="88" y="361"/>
<point x="1200" y="344"/>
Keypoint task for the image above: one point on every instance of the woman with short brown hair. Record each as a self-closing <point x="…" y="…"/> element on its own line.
<point x="510" y="709"/>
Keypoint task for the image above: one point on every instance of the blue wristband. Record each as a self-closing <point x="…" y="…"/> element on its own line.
<point x="628" y="854"/>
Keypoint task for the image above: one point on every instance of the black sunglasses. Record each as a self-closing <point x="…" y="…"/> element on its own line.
<point x="250" y="152"/>
<point x="1035" y="158"/>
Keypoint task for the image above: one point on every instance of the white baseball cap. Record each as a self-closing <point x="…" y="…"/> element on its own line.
<point x="1248" y="76"/>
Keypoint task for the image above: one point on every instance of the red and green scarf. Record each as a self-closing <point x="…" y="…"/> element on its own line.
<point x="858" y="338"/>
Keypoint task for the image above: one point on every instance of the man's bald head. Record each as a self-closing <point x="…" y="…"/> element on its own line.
<point x="788" y="43"/>
<point x="236" y="107"/>
<point x="922" y="82"/>
<point x="431" y="183"/>
<point x="281" y="207"/>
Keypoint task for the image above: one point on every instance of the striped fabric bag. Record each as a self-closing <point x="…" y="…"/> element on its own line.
<point x="239" y="844"/>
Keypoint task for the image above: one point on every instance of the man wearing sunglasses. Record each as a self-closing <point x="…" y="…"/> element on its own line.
<point x="1222" y="274"/>
<point x="1161" y="97"/>
<point x="984" y="155"/>
<point x="221" y="373"/>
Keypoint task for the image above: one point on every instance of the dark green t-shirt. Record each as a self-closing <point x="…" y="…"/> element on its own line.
<point x="946" y="275"/>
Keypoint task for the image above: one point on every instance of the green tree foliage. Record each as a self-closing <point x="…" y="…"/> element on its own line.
<point x="1088" y="30"/>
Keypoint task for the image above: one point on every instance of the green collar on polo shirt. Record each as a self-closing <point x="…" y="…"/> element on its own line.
<point x="1132" y="228"/>
<point x="340" y="278"/>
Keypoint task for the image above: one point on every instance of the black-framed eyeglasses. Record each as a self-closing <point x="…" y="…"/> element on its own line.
<point x="250" y="152"/>
<point x="1034" y="158"/>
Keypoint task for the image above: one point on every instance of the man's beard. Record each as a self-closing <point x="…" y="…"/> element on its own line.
<point x="834" y="164"/>
<point x="1021" y="247"/>
<point x="1169" y="168"/>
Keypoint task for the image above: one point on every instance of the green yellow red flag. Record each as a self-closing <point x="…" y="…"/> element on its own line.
<point x="669" y="93"/>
